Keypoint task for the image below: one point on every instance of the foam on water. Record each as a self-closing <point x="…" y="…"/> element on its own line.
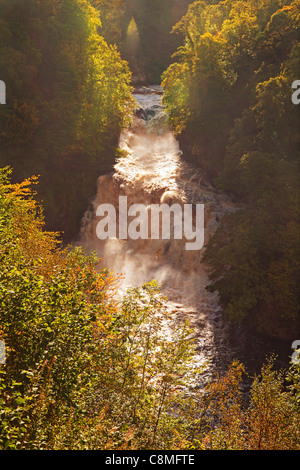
<point x="153" y="172"/>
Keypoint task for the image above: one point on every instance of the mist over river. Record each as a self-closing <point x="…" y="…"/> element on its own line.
<point x="152" y="171"/>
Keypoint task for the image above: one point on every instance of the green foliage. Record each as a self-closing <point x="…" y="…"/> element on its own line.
<point x="81" y="370"/>
<point x="68" y="96"/>
<point x="85" y="371"/>
<point x="228" y="51"/>
<point x="222" y="417"/>
<point x="145" y="375"/>
<point x="229" y="101"/>
<point x="47" y="309"/>
<point x="269" y="420"/>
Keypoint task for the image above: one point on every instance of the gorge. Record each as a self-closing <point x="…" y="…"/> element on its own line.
<point x="152" y="171"/>
<point x="149" y="225"/>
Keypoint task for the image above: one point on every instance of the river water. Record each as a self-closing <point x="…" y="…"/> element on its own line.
<point x="153" y="172"/>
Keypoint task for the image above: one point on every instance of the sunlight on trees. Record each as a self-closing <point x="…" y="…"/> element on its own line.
<point x="228" y="96"/>
<point x="132" y="39"/>
<point x="84" y="370"/>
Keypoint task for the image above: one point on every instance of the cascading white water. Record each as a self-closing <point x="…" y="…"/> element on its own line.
<point x="153" y="172"/>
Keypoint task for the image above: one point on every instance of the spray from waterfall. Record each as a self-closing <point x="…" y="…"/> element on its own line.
<point x="152" y="172"/>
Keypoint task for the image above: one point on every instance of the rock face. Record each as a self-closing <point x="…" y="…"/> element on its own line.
<point x="153" y="172"/>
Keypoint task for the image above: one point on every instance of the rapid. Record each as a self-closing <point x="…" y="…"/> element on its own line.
<point x="152" y="171"/>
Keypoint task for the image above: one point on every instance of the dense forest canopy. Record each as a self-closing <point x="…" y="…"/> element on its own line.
<point x="69" y="93"/>
<point x="87" y="372"/>
<point x="229" y="100"/>
<point x="82" y="369"/>
<point x="68" y="96"/>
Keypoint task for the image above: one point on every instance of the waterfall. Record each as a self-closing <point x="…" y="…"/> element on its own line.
<point x="152" y="171"/>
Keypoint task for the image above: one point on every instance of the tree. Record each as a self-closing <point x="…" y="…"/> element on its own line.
<point x="229" y="101"/>
<point x="69" y="96"/>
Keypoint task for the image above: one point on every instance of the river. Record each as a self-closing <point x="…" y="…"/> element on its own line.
<point x="152" y="171"/>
